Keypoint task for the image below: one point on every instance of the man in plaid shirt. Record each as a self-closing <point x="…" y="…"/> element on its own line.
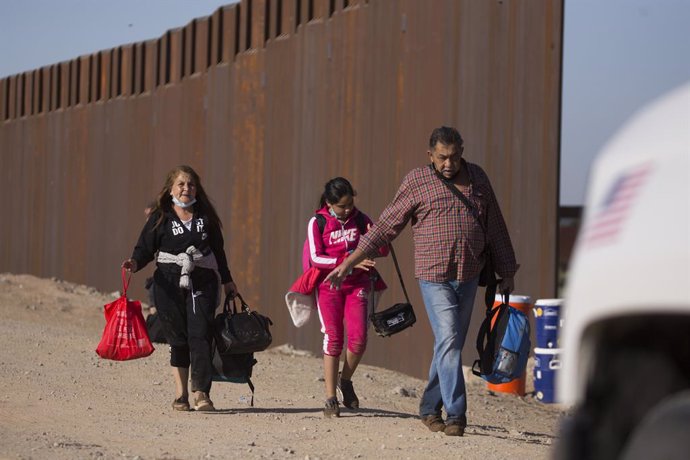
<point x="450" y="250"/>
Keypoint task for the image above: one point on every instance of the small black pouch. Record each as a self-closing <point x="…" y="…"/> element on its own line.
<point x="393" y="319"/>
<point x="396" y="318"/>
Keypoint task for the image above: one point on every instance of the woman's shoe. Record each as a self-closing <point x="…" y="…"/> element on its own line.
<point x="331" y="409"/>
<point x="181" y="404"/>
<point x="203" y="403"/>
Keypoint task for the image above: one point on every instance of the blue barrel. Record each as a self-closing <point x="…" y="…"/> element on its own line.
<point x="547" y="362"/>
<point x="547" y="314"/>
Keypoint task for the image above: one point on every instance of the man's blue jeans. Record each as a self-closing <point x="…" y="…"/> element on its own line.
<point x="449" y="306"/>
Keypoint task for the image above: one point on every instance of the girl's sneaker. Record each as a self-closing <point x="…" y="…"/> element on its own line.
<point x="332" y="408"/>
<point x="347" y="393"/>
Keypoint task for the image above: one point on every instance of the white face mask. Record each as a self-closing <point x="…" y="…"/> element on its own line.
<point x="177" y="202"/>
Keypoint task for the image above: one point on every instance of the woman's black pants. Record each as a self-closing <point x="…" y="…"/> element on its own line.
<point x="186" y="316"/>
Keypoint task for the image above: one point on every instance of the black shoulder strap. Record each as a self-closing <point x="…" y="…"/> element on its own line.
<point x="468" y="204"/>
<point x="397" y="269"/>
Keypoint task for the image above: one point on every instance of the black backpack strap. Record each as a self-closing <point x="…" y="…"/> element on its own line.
<point x="359" y="220"/>
<point x="485" y="345"/>
<point x="485" y="330"/>
<point x="483" y="340"/>
<point x="320" y="222"/>
<point x="361" y="223"/>
<point x="251" y="387"/>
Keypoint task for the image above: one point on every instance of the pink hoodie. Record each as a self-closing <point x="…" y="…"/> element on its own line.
<point x="321" y="254"/>
<point x="326" y="251"/>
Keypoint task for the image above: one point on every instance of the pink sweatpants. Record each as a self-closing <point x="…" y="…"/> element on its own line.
<point x="348" y="303"/>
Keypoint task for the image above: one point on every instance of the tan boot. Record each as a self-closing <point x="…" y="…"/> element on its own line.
<point x="434" y="422"/>
<point x="455" y="427"/>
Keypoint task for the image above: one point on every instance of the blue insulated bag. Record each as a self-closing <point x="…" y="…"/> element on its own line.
<point x="504" y="348"/>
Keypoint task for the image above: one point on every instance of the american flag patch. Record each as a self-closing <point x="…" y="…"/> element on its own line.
<point x="612" y="212"/>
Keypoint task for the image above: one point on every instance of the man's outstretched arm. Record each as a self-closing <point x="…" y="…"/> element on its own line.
<point x="336" y="277"/>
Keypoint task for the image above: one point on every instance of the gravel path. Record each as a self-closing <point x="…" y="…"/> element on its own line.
<point x="62" y="401"/>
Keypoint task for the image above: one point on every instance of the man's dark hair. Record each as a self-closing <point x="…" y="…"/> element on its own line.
<point x="446" y="136"/>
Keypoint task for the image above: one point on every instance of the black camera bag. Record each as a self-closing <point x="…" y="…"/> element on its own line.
<point x="396" y="318"/>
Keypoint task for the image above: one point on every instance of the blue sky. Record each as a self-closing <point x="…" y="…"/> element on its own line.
<point x="618" y="55"/>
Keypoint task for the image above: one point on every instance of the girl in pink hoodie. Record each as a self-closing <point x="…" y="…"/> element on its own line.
<point x="326" y="250"/>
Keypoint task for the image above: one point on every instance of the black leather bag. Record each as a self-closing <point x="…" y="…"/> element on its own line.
<point x="393" y="319"/>
<point x="396" y="318"/>
<point x="243" y="331"/>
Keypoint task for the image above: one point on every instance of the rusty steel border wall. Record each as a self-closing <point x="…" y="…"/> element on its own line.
<point x="267" y="100"/>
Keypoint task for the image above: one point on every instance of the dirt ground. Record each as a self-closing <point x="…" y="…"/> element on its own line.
<point x="61" y="401"/>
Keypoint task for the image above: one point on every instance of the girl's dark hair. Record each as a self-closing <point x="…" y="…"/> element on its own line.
<point x="334" y="190"/>
<point x="203" y="203"/>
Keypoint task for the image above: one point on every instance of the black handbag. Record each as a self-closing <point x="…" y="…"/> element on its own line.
<point x="243" y="331"/>
<point x="396" y="318"/>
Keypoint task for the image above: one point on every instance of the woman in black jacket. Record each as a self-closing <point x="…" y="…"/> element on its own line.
<point x="183" y="233"/>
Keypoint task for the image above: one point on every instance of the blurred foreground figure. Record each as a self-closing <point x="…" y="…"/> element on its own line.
<point x="626" y="333"/>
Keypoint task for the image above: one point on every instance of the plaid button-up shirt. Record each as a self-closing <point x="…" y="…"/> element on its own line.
<point x="449" y="241"/>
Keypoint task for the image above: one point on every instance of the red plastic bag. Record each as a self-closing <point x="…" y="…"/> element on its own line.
<point x="124" y="336"/>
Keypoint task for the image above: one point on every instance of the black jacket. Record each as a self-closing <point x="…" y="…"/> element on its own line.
<point x="173" y="237"/>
